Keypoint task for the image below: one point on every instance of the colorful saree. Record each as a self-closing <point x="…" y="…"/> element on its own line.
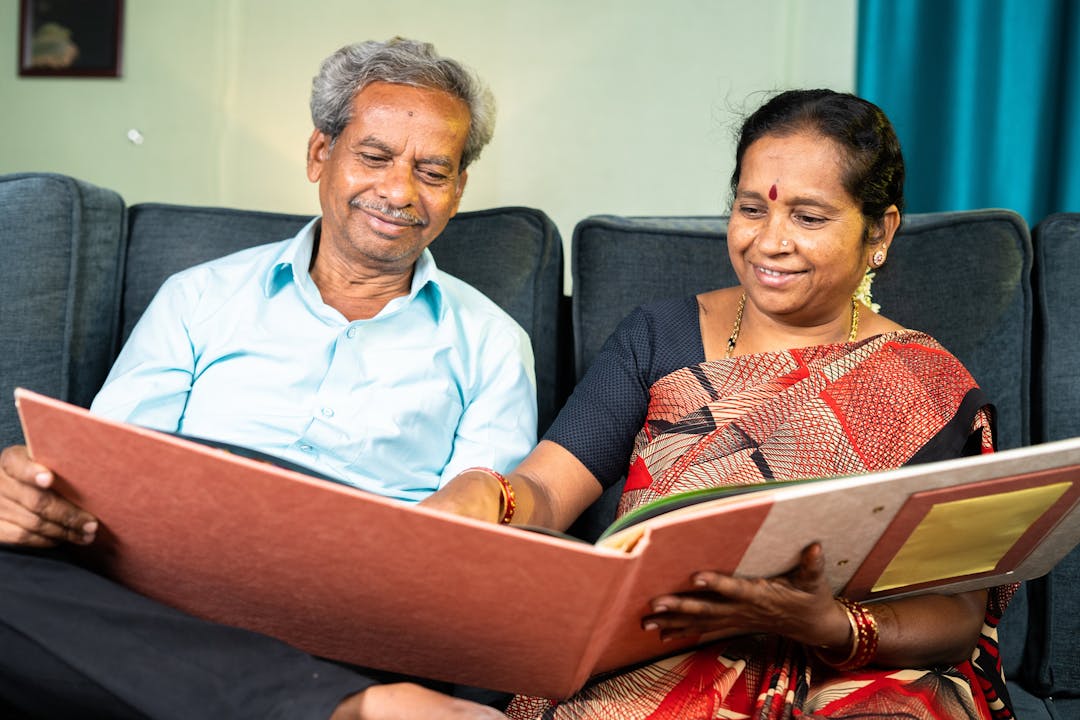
<point x="838" y="409"/>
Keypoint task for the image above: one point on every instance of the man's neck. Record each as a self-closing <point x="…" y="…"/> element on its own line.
<point x="361" y="300"/>
<point x="357" y="292"/>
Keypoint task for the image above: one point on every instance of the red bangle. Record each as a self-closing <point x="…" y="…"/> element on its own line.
<point x="864" y="638"/>
<point x="507" y="500"/>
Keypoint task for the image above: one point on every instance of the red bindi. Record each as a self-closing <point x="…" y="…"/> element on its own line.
<point x="772" y="192"/>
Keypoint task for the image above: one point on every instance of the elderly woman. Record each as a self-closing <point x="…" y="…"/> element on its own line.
<point x="788" y="375"/>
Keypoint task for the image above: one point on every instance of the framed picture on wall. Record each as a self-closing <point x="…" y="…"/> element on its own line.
<point x="70" y="38"/>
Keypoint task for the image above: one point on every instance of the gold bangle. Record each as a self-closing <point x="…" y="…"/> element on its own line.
<point x="864" y="638"/>
<point x="507" y="499"/>
<point x="823" y="652"/>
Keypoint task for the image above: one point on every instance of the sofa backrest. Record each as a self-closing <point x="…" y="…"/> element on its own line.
<point x="60" y="243"/>
<point x="962" y="277"/>
<point x="512" y="254"/>
<point x="618" y="263"/>
<point x="1054" y="639"/>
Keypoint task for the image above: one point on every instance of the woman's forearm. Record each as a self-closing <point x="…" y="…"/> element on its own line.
<point x="928" y="629"/>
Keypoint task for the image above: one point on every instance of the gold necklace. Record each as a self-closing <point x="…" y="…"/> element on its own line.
<point x="734" y="336"/>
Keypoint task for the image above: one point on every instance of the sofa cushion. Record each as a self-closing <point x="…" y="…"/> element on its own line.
<point x="1026" y="706"/>
<point x="1013" y="636"/>
<point x="1056" y="280"/>
<point x="164" y="239"/>
<point x="1056" y="415"/>
<point x="60" y="257"/>
<point x="618" y="263"/>
<point x="513" y="255"/>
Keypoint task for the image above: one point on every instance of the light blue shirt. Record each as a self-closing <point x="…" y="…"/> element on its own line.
<point x="243" y="350"/>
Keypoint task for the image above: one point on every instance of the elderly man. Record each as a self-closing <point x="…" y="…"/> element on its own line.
<point x="343" y="349"/>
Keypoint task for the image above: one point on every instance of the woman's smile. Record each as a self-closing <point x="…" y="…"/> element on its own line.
<point x="775" y="277"/>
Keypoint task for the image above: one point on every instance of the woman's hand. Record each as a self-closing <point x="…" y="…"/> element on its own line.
<point x="917" y="631"/>
<point x="31" y="513"/>
<point x="799" y="605"/>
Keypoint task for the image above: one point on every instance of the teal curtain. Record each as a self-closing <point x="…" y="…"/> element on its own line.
<point x="985" y="96"/>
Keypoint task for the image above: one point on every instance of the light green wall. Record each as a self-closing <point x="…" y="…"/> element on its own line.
<point x="605" y="106"/>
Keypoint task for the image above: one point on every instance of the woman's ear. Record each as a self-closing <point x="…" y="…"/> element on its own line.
<point x="881" y="236"/>
<point x="887" y="226"/>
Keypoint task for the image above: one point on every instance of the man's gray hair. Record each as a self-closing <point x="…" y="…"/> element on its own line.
<point x="403" y="62"/>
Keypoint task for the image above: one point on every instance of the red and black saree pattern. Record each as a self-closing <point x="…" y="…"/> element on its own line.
<point x="827" y="410"/>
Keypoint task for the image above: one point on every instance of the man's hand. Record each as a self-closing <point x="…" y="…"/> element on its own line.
<point x="405" y="701"/>
<point x="31" y="513"/>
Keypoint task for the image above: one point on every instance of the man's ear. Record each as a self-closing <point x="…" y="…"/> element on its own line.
<point x="318" y="151"/>
<point x="463" y="177"/>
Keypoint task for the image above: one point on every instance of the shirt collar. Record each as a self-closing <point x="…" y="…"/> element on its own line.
<point x="427" y="275"/>
<point x="292" y="264"/>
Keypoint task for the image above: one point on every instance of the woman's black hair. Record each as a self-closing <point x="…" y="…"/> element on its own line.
<point x="873" y="163"/>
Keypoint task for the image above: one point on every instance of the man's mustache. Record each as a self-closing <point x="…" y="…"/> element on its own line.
<point x="388" y="211"/>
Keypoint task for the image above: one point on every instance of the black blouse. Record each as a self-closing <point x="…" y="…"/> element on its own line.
<point x="607" y="409"/>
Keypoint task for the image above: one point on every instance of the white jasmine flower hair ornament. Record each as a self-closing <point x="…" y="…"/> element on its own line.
<point x="862" y="293"/>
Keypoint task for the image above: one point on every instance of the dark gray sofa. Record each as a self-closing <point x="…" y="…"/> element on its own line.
<point x="78" y="266"/>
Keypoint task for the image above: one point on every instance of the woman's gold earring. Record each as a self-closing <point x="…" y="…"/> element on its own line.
<point x="878" y="259"/>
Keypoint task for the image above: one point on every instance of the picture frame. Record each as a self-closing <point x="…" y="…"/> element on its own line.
<point x="70" y="38"/>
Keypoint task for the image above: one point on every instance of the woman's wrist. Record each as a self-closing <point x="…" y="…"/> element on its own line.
<point x="507" y="498"/>
<point x="862" y="644"/>
<point x="836" y="632"/>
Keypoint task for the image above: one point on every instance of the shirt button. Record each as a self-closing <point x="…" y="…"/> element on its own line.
<point x="327" y="412"/>
<point x="350" y="333"/>
<point x="305" y="447"/>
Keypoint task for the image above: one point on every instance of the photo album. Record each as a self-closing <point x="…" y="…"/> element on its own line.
<point x="351" y="576"/>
